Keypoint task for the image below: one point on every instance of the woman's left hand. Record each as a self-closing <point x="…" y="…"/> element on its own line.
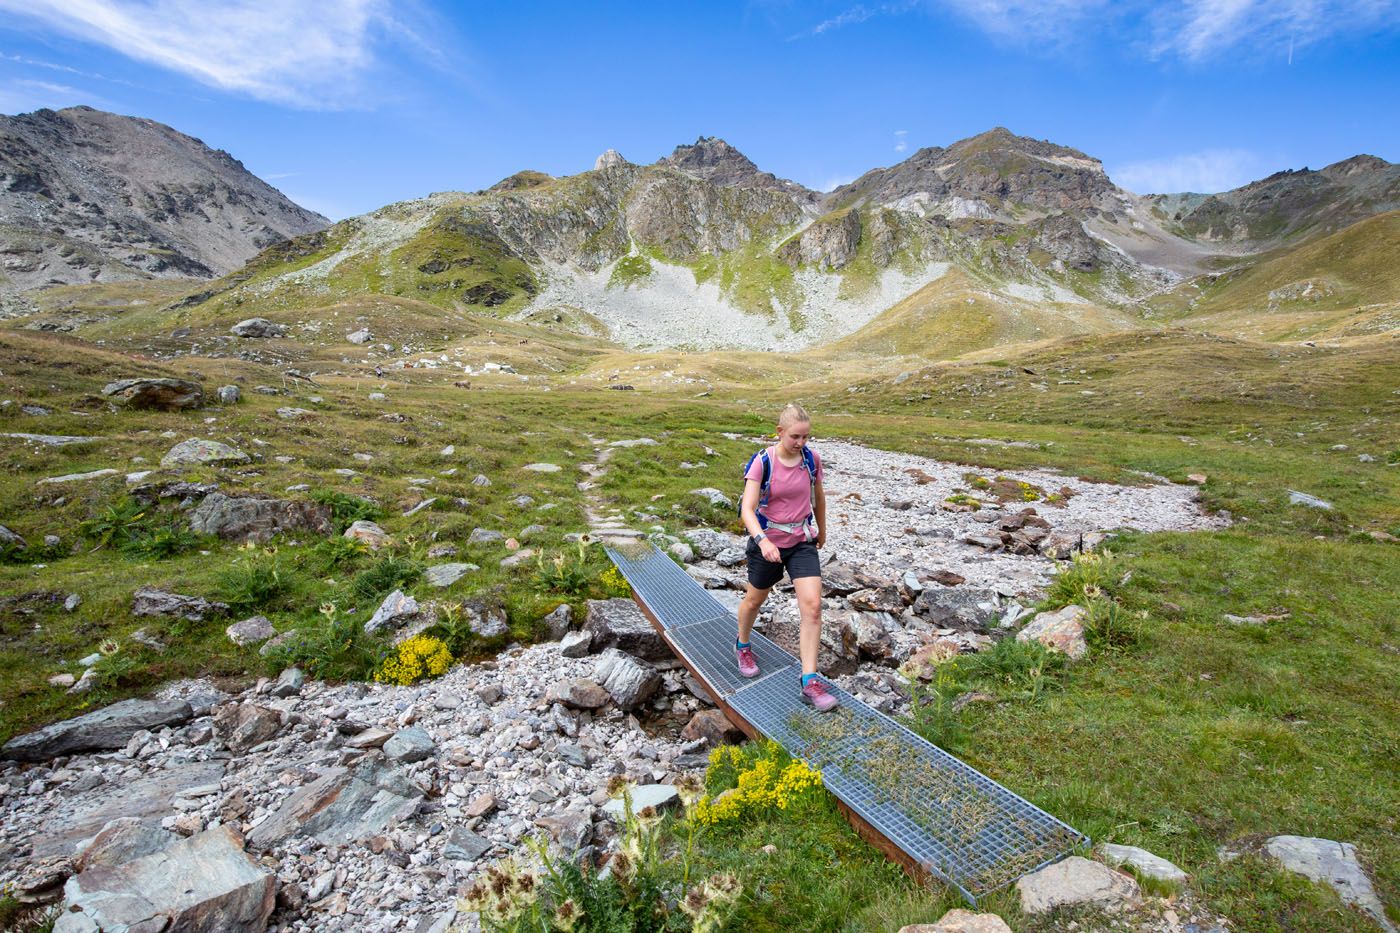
<point x="821" y="540"/>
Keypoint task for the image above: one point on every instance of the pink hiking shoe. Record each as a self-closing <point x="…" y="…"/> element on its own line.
<point x="815" y="695"/>
<point x="748" y="664"/>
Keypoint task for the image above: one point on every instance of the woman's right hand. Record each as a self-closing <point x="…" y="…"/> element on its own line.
<point x="770" y="551"/>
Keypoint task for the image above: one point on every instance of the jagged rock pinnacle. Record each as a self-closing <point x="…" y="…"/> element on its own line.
<point x="608" y="160"/>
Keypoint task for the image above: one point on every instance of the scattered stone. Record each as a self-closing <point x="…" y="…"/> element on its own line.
<point x="714" y="496"/>
<point x="258" y="327"/>
<point x="123" y="840"/>
<point x="713" y="728"/>
<point x="367" y="533"/>
<point x="72" y="603"/>
<point x="486" y="620"/>
<point x="341" y="806"/>
<point x="374" y="737"/>
<point x="658" y="797"/>
<point x="145" y="638"/>
<point x="964" y="608"/>
<point x="541" y="467"/>
<point x="76" y="477"/>
<point x="242" y="726"/>
<point x="361" y="336"/>
<point x="289" y="683"/>
<point x="52" y="440"/>
<point x="519" y="557"/>
<point x="425" y="504"/>
<point x="484" y="536"/>
<point x="159" y="394"/>
<point x="1062" y="630"/>
<point x="397" y="610"/>
<point x="959" y="920"/>
<point x="627" y="681"/>
<point x="947" y="578"/>
<point x="577" y="693"/>
<point x="571" y="829"/>
<point x="258" y="518"/>
<point x="1074" y="880"/>
<point x="251" y="631"/>
<point x="481" y="806"/>
<point x="1334" y="863"/>
<point x="708" y="542"/>
<point x="1144" y="862"/>
<point x="149" y="601"/>
<point x="289" y="413"/>
<point x="410" y="745"/>
<point x="61" y="680"/>
<point x="9" y="539"/>
<point x="230" y="395"/>
<point x="205" y="882"/>
<point x="1302" y="498"/>
<point x="557" y="623"/>
<point x="443" y="575"/>
<point x="576" y="644"/>
<point x="618" y="623"/>
<point x="465" y="845"/>
<point x="1197" y="479"/>
<point x="108" y="728"/>
<point x="198" y="450"/>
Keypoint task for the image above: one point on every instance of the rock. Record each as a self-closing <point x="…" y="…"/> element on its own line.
<point x="107" y="728"/>
<point x="714" y="496"/>
<point x="484" y="536"/>
<point x="872" y="638"/>
<point x="681" y="552"/>
<point x="61" y="680"/>
<point x="1072" y="881"/>
<point x="923" y="663"/>
<point x="708" y="542"/>
<point x="397" y="610"/>
<point x="1144" y="862"/>
<point x="713" y="728"/>
<point x="51" y="440"/>
<point x="658" y="797"/>
<point x="146" y="639"/>
<point x="149" y="601"/>
<point x="964" y="608"/>
<point x="618" y="623"/>
<point x="1302" y="498"/>
<point x="1062" y="630"/>
<point x="289" y="683"/>
<point x="288" y="413"/>
<point x="731" y="557"/>
<point x="75" y="477"/>
<point x="410" y="745"/>
<point x="229" y="395"/>
<point x="241" y="726"/>
<point x="1061" y="545"/>
<point x="341" y="806"/>
<point x="258" y="518"/>
<point x="576" y="644"/>
<point x="72" y="603"/>
<point x="11" y="540"/>
<point x="959" y="920"/>
<point x="373" y="737"/>
<point x="1198" y="479"/>
<point x="557" y="623"/>
<point x="481" y="806"/>
<point x="838" y="653"/>
<point x="258" y="327"/>
<point x="577" y="693"/>
<point x="627" y="682"/>
<point x="838" y="579"/>
<point x="519" y="557"/>
<point x="205" y="882"/>
<point x="486" y="620"/>
<point x="250" y="631"/>
<point x="572" y="829"/>
<point x="946" y="578"/>
<point x="880" y="599"/>
<point x="198" y="450"/>
<point x="443" y="575"/>
<point x="160" y="394"/>
<point x="541" y="467"/>
<point x="465" y="846"/>
<point x="123" y="840"/>
<point x="1332" y="863"/>
<point x="367" y="533"/>
<point x="361" y="336"/>
<point x="610" y="158"/>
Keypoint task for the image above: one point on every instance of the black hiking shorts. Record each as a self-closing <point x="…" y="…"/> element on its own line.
<point x="800" y="560"/>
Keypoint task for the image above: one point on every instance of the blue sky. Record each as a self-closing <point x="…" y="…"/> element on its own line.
<point x="347" y="105"/>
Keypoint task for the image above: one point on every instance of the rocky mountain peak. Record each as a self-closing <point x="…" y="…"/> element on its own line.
<point x="608" y="159"/>
<point x="89" y="196"/>
<point x="1356" y="165"/>
<point x="712" y="159"/>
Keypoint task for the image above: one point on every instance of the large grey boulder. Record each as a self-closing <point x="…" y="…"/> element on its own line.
<point x="149" y="601"/>
<point x="557" y="623"/>
<point x="250" y="631"/>
<point x="1332" y="863"/>
<point x="106" y="728"/>
<point x="1143" y="862"/>
<point x="959" y="920"/>
<point x="258" y="518"/>
<point x="160" y="394"/>
<point x="1072" y="881"/>
<point x="628" y="682"/>
<point x="618" y="623"/>
<point x="203" y="883"/>
<point x="397" y="610"/>
<point x="410" y="745"/>
<point x="341" y="806"/>
<point x="965" y="608"/>
<point x="708" y="542"/>
<point x="1061" y="630"/>
<point x="9" y="539"/>
<point x="198" y="450"/>
<point x="241" y="726"/>
<point x="123" y="840"/>
<point x="258" y="327"/>
<point x="577" y="693"/>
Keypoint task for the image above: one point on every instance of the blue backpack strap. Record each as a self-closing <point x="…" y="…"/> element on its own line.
<point x="763" y="484"/>
<point x="810" y="461"/>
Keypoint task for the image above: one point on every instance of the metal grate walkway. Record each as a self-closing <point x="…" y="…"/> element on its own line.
<point x="945" y="817"/>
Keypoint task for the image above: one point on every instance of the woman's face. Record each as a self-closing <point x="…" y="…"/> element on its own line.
<point x="794" y="437"/>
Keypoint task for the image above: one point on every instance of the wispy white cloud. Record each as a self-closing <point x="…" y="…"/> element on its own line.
<point x="1202" y="29"/>
<point x="303" y="54"/>
<point x="832" y="183"/>
<point x="21" y="95"/>
<point x="1208" y="172"/>
<point x="901" y="143"/>
<point x="853" y="15"/>
<point x="1029" y="22"/>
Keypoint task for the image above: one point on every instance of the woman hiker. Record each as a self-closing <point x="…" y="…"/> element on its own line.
<point x="782" y="497"/>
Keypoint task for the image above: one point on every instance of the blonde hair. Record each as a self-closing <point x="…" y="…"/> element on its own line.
<point x="793" y="413"/>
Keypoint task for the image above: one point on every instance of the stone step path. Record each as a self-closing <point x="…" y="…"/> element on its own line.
<point x="607" y="524"/>
<point x="914" y="801"/>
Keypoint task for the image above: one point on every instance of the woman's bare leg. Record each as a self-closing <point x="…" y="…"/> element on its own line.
<point x="809" y="604"/>
<point x="748" y="610"/>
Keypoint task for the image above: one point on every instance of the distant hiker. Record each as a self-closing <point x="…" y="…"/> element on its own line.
<point x="784" y="510"/>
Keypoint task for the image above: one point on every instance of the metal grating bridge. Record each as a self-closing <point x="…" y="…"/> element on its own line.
<point x="919" y="804"/>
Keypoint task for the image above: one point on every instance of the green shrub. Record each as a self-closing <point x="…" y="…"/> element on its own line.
<point x="1088" y="577"/>
<point x="933" y="713"/>
<point x="1012" y="668"/>
<point x="334" y="553"/>
<point x="162" y="541"/>
<point x="332" y="647"/>
<point x="254" y="582"/>
<point x="564" y="573"/>
<point x="347" y="509"/>
<point x="1110" y="627"/>
<point x="118" y="524"/>
<point x="390" y="572"/>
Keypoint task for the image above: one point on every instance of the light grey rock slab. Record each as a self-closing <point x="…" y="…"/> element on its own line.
<point x="1332" y="863"/>
<point x="443" y="575"/>
<point x="107" y="728"/>
<point x="341" y="806"/>
<point x="1072" y="881"/>
<point x="1144" y="862"/>
<point x="410" y="745"/>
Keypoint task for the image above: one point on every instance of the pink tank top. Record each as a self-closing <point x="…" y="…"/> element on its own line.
<point x="789" y="494"/>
